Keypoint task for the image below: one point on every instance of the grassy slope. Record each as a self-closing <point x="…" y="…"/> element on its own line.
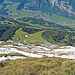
<point x="62" y="19"/>
<point x="36" y="37"/>
<point x="7" y="22"/>
<point x="59" y="37"/>
<point x="19" y="34"/>
<point x="32" y="38"/>
<point x="36" y="66"/>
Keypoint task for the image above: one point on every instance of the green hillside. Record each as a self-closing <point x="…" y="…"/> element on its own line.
<point x="60" y="37"/>
<point x="24" y="37"/>
<point x="30" y="30"/>
<point x="54" y="36"/>
<point x="34" y="38"/>
<point x="19" y="35"/>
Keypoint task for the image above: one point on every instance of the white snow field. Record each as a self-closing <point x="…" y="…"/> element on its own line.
<point x="67" y="52"/>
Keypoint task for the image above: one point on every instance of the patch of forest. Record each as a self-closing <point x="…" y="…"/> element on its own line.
<point x="43" y="23"/>
<point x="6" y="32"/>
<point x="61" y="37"/>
<point x="8" y="28"/>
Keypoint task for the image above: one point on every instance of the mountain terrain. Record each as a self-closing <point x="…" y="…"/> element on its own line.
<point x="61" y="12"/>
<point x="37" y="37"/>
<point x="30" y="30"/>
<point x="41" y="18"/>
<point x="46" y="6"/>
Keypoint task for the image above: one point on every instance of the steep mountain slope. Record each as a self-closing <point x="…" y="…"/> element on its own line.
<point x="55" y="11"/>
<point x="59" y="7"/>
